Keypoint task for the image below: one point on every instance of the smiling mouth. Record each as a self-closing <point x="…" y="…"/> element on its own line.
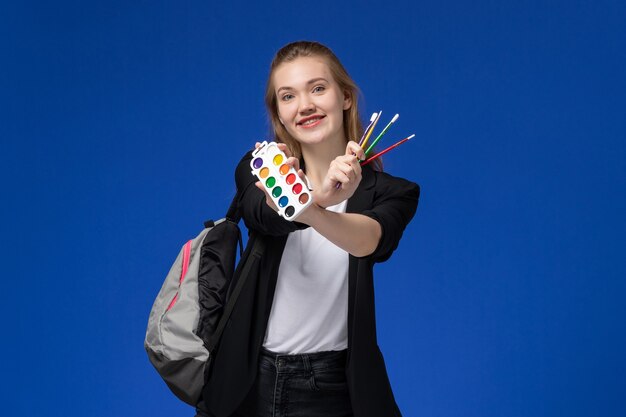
<point x="310" y="121"/>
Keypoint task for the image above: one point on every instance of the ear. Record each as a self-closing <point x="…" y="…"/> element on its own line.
<point x="347" y="100"/>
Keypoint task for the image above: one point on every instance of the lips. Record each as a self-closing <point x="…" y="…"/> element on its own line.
<point x="310" y="121"/>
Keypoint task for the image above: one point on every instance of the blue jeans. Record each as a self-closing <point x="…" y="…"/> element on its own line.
<point x="306" y="385"/>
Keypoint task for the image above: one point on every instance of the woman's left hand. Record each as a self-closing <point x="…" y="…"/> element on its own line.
<point x="343" y="177"/>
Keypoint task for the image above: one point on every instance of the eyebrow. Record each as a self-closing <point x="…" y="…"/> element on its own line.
<point x="314" y="80"/>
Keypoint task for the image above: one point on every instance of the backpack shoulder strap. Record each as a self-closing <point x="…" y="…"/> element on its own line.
<point x="233" y="212"/>
<point x="256" y="252"/>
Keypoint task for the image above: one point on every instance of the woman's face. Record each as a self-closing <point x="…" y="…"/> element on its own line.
<point x="310" y="102"/>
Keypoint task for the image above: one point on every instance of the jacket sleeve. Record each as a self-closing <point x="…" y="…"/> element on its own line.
<point x="256" y="214"/>
<point x="395" y="203"/>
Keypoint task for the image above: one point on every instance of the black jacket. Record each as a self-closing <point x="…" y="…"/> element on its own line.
<point x="389" y="200"/>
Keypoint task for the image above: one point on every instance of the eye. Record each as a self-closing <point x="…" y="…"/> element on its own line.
<point x="286" y="97"/>
<point x="319" y="88"/>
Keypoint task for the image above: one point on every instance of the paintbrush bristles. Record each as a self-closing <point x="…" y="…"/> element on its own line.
<point x="371" y="129"/>
<point x="367" y="129"/>
<point x="382" y="133"/>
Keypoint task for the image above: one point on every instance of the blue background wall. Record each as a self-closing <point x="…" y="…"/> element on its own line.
<point x="121" y="123"/>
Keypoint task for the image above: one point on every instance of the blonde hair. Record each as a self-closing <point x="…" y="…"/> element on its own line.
<point x="290" y="52"/>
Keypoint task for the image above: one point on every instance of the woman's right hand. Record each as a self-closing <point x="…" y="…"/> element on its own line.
<point x="343" y="177"/>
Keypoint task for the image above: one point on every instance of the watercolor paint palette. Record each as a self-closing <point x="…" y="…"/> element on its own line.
<point x="282" y="182"/>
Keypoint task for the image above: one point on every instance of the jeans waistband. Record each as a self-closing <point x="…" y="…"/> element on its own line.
<point x="317" y="361"/>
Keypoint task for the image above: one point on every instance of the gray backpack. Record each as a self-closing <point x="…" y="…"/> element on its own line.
<point x="194" y="304"/>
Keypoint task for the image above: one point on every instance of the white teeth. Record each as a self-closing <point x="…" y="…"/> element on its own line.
<point x="311" y="121"/>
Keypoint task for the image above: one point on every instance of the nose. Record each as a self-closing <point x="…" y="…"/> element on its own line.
<point x="306" y="106"/>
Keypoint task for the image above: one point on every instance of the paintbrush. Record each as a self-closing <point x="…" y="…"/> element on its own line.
<point x="395" y="145"/>
<point x="381" y="134"/>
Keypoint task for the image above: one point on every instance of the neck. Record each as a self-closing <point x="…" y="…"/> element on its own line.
<point x="318" y="158"/>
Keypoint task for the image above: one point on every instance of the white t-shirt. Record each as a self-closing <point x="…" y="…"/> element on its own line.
<point x="310" y="307"/>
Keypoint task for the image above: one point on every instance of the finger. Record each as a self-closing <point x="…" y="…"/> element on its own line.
<point x="268" y="199"/>
<point x="346" y="164"/>
<point x="348" y="172"/>
<point x="283" y="147"/>
<point x="356" y="166"/>
<point x="262" y="188"/>
<point x="353" y="162"/>
<point x="353" y="148"/>
<point x="303" y="177"/>
<point x="294" y="162"/>
<point x="339" y="176"/>
<point x="257" y="145"/>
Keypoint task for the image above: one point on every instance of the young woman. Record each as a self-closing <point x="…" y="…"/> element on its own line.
<point x="301" y="340"/>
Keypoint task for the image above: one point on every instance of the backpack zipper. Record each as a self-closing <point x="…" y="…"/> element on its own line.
<point x="186" y="256"/>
